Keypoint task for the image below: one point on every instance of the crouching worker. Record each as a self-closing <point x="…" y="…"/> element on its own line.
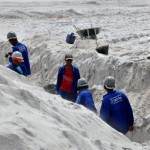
<point x="85" y="96"/>
<point x="17" y="59"/>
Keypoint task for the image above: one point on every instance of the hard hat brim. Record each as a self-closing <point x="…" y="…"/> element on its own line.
<point x="12" y="38"/>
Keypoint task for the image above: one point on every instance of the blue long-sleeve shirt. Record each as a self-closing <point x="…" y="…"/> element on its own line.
<point x="66" y="95"/>
<point x="85" y="98"/>
<point x="19" y="69"/>
<point x="23" y="50"/>
<point x="116" y="111"/>
<point x="76" y="76"/>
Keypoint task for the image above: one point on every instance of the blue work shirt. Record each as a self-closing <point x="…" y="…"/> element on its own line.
<point x="23" y="50"/>
<point x="76" y="75"/>
<point x="85" y="98"/>
<point x="116" y="111"/>
<point x="18" y="69"/>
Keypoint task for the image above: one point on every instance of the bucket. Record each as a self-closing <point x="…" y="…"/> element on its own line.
<point x="70" y="39"/>
<point x="103" y="49"/>
<point x="50" y="88"/>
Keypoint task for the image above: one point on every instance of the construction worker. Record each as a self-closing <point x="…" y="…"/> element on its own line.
<point x="85" y="96"/>
<point x="115" y="109"/>
<point x="17" y="59"/>
<point x="17" y="46"/>
<point x="67" y="78"/>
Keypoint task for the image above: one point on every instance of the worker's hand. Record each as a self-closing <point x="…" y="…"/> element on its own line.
<point x="8" y="54"/>
<point x="131" y="128"/>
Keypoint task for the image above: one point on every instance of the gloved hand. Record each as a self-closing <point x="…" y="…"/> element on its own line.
<point x="8" y="54"/>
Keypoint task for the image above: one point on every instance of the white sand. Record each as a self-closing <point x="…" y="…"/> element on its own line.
<point x="32" y="119"/>
<point x="43" y="28"/>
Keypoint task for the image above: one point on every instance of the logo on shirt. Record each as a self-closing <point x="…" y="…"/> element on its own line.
<point x="21" y="48"/>
<point x="116" y="99"/>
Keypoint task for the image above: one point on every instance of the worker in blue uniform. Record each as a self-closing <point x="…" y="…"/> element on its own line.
<point x="116" y="109"/>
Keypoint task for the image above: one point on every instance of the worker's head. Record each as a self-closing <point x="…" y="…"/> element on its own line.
<point x="82" y="84"/>
<point x="68" y="59"/>
<point x="17" y="58"/>
<point x="109" y="83"/>
<point x="12" y="38"/>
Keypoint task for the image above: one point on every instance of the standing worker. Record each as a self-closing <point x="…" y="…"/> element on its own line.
<point x="116" y="110"/>
<point x="67" y="78"/>
<point x="85" y="96"/>
<point x="17" y="46"/>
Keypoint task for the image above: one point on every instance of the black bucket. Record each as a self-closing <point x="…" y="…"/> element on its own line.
<point x="103" y="49"/>
<point x="148" y="57"/>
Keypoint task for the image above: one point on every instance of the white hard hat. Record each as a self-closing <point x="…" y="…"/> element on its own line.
<point x="109" y="82"/>
<point x="11" y="35"/>
<point x="17" y="56"/>
<point x="82" y="82"/>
